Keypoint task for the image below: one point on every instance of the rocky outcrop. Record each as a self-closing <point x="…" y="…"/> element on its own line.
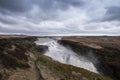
<point x="41" y="48"/>
<point x="108" y="58"/>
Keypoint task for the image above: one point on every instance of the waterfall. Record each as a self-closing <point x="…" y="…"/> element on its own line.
<point x="65" y="55"/>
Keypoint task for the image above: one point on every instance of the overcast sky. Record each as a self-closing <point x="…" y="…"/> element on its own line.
<point x="50" y="17"/>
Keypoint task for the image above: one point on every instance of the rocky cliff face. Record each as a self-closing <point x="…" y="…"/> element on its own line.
<point x="106" y="57"/>
<point x="22" y="59"/>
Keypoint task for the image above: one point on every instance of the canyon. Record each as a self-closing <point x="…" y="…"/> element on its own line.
<point x="59" y="58"/>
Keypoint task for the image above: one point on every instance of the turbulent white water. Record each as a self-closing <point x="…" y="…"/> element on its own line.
<point x="64" y="55"/>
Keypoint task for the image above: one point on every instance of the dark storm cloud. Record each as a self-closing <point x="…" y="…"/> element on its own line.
<point x="25" y="5"/>
<point x="113" y="13"/>
<point x="15" y="5"/>
<point x="46" y="9"/>
<point x="58" y="4"/>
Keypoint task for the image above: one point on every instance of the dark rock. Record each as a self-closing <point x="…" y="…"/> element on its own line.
<point x="42" y="48"/>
